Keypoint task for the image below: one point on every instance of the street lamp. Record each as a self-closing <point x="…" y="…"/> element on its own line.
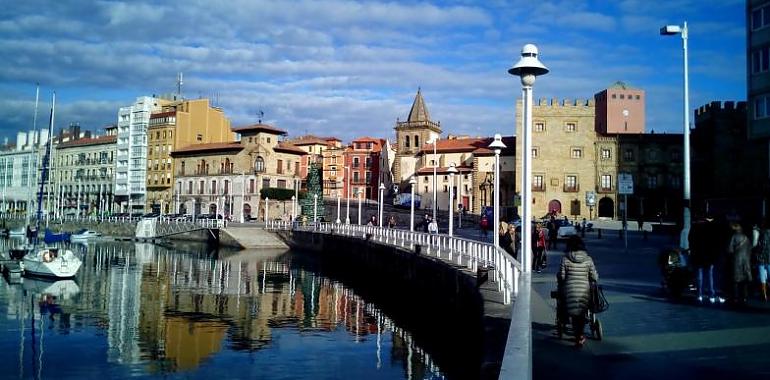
<point x="527" y="69"/>
<point x="670" y="30"/>
<point x="293" y="208"/>
<point x="452" y="171"/>
<point x="359" y="194"/>
<point x="433" y="141"/>
<point x="412" y="181"/>
<point x="338" y="210"/>
<point x="347" y="195"/>
<point x="315" y="208"/>
<point x="497" y="145"/>
<point x="382" y="199"/>
<point x="267" y="209"/>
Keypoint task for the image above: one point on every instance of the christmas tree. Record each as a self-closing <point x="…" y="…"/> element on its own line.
<point x="314" y="181"/>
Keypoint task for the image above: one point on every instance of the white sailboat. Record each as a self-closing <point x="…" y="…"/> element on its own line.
<point x="49" y="262"/>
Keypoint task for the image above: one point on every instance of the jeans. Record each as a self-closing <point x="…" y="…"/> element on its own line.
<point x="710" y="270"/>
<point x="764" y="270"/>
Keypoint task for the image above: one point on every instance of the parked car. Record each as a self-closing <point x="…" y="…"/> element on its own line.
<point x="566" y="229"/>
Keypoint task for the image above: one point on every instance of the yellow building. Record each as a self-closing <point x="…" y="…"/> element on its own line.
<point x="176" y="125"/>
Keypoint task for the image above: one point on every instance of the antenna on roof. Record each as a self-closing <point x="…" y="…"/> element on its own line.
<point x="261" y="115"/>
<point x="179" y="83"/>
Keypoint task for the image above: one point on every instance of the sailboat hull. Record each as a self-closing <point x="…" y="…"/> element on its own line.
<point x="51" y="263"/>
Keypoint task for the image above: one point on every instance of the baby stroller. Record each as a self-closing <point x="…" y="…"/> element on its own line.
<point x="677" y="275"/>
<point x="597" y="304"/>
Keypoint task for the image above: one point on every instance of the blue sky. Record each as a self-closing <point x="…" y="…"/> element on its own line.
<point x="350" y="68"/>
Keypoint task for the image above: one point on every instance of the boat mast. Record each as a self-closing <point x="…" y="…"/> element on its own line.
<point x="44" y="173"/>
<point x="37" y="157"/>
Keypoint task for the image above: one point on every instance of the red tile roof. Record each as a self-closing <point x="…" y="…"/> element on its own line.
<point x="478" y="145"/>
<point x="89" y="141"/>
<point x="260" y="128"/>
<point x="443" y="170"/>
<point x="289" y="148"/>
<point x="309" y="140"/>
<point x="209" y="147"/>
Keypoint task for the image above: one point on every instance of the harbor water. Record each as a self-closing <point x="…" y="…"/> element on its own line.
<point x="139" y="310"/>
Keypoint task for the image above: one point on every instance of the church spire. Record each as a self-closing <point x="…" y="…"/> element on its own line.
<point x="419" y="112"/>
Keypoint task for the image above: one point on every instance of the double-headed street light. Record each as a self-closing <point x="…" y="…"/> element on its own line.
<point x="434" y="141"/>
<point x="452" y="171"/>
<point x="671" y="30"/>
<point x="347" y="195"/>
<point x="412" y="182"/>
<point x="528" y="67"/>
<point x="497" y="146"/>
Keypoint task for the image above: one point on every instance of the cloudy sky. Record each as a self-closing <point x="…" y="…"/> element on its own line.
<point x="349" y="68"/>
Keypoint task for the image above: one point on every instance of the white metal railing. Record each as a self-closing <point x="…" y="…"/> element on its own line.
<point x="505" y="271"/>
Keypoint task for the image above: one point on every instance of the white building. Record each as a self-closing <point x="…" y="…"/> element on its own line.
<point x="131" y="161"/>
<point x="19" y="173"/>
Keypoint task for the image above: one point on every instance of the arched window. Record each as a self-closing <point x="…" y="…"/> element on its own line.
<point x="259" y="165"/>
<point x="406" y="142"/>
<point x="416" y="141"/>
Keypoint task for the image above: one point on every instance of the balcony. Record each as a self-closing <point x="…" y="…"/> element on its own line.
<point x="540" y="187"/>
<point x="604" y="190"/>
<point x="571" y="188"/>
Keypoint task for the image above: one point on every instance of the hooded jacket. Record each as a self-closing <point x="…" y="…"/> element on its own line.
<point x="575" y="272"/>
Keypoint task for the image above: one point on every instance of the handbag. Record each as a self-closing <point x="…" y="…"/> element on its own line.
<point x="597" y="302"/>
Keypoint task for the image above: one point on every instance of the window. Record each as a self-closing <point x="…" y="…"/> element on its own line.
<point x="628" y="155"/>
<point x="356" y="162"/>
<point x="214" y="187"/>
<point x="760" y="60"/>
<point x="614" y="96"/>
<point x="446" y="188"/>
<point x="637" y="97"/>
<point x="622" y="96"/>
<point x="189" y="187"/>
<point x="268" y="140"/>
<point x="265" y="183"/>
<point x="279" y="167"/>
<point x="199" y="137"/>
<point x="606" y="154"/>
<point x="406" y="141"/>
<point x="539" y="126"/>
<point x="570" y="183"/>
<point x="535" y="152"/>
<point x="676" y="156"/>
<point x="368" y="162"/>
<point x="201" y="186"/>
<point x="652" y="154"/>
<point x="281" y="183"/>
<point x="538" y="183"/>
<point x="355" y="177"/>
<point x="606" y="182"/>
<point x="576" y="153"/>
<point x="676" y="182"/>
<point x="762" y="106"/>
<point x="259" y="165"/>
<point x="652" y="182"/>
<point x="571" y="127"/>
<point x="252" y="183"/>
<point x="427" y="179"/>
<point x="368" y="177"/>
<point x="760" y="17"/>
<point x="416" y="142"/>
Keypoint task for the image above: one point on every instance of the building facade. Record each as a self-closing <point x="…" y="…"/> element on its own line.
<point x="620" y="109"/>
<point x="363" y="160"/>
<point x="418" y="129"/>
<point x="227" y="178"/>
<point x="83" y="178"/>
<point x="176" y="125"/>
<point x="19" y="173"/>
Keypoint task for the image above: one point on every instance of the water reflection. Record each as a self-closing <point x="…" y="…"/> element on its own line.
<point x="138" y="309"/>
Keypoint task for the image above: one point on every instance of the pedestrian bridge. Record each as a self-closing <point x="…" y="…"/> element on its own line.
<point x="479" y="257"/>
<point x="156" y="228"/>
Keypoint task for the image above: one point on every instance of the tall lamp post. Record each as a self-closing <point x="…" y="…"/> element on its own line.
<point x="315" y="208"/>
<point x="381" y="205"/>
<point x="412" y="182"/>
<point x="359" y="195"/>
<point x="433" y="141"/>
<point x="347" y="195"/>
<point x="338" y="210"/>
<point x="452" y="171"/>
<point x="527" y="69"/>
<point x="497" y="146"/>
<point x="670" y="30"/>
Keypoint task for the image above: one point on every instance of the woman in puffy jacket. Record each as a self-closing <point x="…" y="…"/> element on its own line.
<point x="575" y="273"/>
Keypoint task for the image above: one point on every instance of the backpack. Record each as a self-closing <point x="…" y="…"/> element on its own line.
<point x="484" y="222"/>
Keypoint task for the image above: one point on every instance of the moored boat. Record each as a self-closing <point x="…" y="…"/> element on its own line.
<point x="83" y="235"/>
<point x="53" y="237"/>
<point x="52" y="263"/>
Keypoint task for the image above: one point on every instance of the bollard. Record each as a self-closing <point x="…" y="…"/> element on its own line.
<point x="598" y="233"/>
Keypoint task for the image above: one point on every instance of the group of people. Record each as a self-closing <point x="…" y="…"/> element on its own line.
<point x="429" y="225"/>
<point x="727" y="260"/>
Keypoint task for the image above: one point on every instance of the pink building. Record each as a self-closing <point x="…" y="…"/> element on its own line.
<point x="620" y="110"/>
<point x="363" y="158"/>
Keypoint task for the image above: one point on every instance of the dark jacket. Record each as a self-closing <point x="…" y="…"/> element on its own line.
<point x="575" y="272"/>
<point x="740" y="249"/>
<point x="705" y="244"/>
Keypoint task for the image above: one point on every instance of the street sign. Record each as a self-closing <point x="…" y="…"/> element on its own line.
<point x="590" y="198"/>
<point x="625" y="184"/>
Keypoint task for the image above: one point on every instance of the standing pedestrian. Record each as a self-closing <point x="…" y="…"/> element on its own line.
<point x="538" y="248"/>
<point x="553" y="232"/>
<point x="484" y="225"/>
<point x="392" y="222"/>
<point x="433" y="227"/>
<point x="704" y="252"/>
<point x="425" y="223"/>
<point x="762" y="256"/>
<point x="576" y="272"/>
<point x="740" y="251"/>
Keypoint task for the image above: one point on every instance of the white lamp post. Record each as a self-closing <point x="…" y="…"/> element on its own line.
<point x="338" y="210"/>
<point x="293" y="208"/>
<point x="452" y="171"/>
<point x="347" y="195"/>
<point x="315" y="208"/>
<point x="412" y="181"/>
<point x="382" y="199"/>
<point x="267" y="208"/>
<point x="527" y="69"/>
<point x="434" y="141"/>
<point x="497" y="145"/>
<point x="670" y="30"/>
<point x="296" y="197"/>
<point x="359" y="194"/>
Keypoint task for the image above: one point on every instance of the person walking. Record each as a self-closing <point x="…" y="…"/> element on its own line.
<point x="740" y="251"/>
<point x="762" y="256"/>
<point x="576" y="272"/>
<point x="704" y="252"/>
<point x="392" y="222"/>
<point x="425" y="223"/>
<point x="433" y="227"/>
<point x="484" y="226"/>
<point x="553" y="233"/>
<point x="538" y="248"/>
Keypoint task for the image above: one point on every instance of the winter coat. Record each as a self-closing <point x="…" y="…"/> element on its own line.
<point x="705" y="245"/>
<point x="575" y="271"/>
<point x="763" y="247"/>
<point x="740" y="249"/>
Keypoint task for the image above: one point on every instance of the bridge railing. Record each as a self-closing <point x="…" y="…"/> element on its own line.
<point x="474" y="255"/>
